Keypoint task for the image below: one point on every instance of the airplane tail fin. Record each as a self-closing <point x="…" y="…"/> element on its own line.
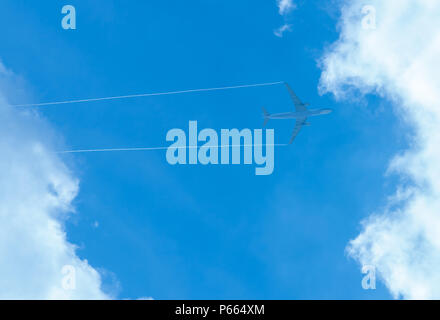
<point x="266" y="116"/>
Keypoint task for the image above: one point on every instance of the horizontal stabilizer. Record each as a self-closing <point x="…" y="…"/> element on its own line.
<point x="266" y="117"/>
<point x="266" y="120"/>
<point x="266" y="114"/>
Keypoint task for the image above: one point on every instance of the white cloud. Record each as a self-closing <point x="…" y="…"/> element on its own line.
<point x="280" y="31"/>
<point x="285" y="6"/>
<point x="36" y="192"/>
<point x="400" y="60"/>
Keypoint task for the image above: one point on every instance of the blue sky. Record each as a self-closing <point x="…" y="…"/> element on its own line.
<point x="197" y="232"/>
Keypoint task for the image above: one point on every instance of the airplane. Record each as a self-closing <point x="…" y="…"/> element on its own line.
<point x="301" y="114"/>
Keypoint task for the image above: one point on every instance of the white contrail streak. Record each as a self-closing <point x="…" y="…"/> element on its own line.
<point x="164" y="148"/>
<point x="146" y="95"/>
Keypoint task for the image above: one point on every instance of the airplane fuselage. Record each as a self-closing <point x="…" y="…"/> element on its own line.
<point x="299" y="114"/>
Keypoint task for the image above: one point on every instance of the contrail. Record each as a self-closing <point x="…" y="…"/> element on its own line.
<point x="146" y="95"/>
<point x="164" y="148"/>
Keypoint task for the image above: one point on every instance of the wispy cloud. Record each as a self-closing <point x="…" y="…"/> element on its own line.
<point x="398" y="58"/>
<point x="36" y="196"/>
<point x="284" y="8"/>
<point x="280" y="31"/>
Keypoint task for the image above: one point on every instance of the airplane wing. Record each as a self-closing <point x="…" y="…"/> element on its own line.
<point x="299" y="106"/>
<point x="298" y="125"/>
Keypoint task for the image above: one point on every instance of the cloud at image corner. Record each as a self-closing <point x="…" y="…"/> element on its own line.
<point x="398" y="60"/>
<point x="37" y="190"/>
